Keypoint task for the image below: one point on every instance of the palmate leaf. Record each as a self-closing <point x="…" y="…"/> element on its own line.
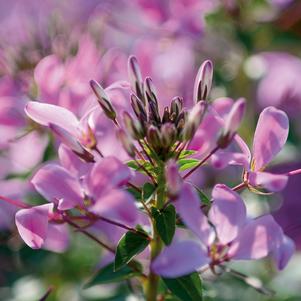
<point x="165" y="222"/>
<point x="129" y="246"/>
<point x="186" y="288"/>
<point x="108" y="275"/>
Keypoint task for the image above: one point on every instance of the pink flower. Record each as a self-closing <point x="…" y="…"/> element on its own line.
<point x="231" y="237"/>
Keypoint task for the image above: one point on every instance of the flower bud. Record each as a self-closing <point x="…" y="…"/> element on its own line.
<point x="135" y="76"/>
<point x="154" y="136"/>
<point x="193" y="121"/>
<point x="168" y="134"/>
<point x="133" y="127"/>
<point x="174" y="181"/>
<point x="72" y="143"/>
<point x="126" y="142"/>
<point x="103" y="100"/>
<point x="203" y="81"/>
<point x="138" y="108"/>
<point x="176" y="105"/>
<point x="232" y="123"/>
<point x="150" y="90"/>
<point x="165" y="117"/>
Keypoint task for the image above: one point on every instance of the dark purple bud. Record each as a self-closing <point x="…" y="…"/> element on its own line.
<point x="150" y="90"/>
<point x="193" y="121"/>
<point x="168" y="134"/>
<point x="126" y="142"/>
<point x="153" y="112"/>
<point x="165" y="117"/>
<point x="103" y="100"/>
<point x="133" y="127"/>
<point x="203" y="82"/>
<point x="176" y="105"/>
<point x="154" y="136"/>
<point x="138" y="108"/>
<point x="135" y="77"/>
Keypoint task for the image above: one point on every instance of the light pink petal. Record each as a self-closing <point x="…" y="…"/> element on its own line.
<point x="107" y="173"/>
<point x="269" y="181"/>
<point x="26" y="152"/>
<point x="32" y="224"/>
<point x="284" y="252"/>
<point x="270" y="136"/>
<point x="117" y="205"/>
<point x="180" y="258"/>
<point x="72" y="162"/>
<point x="57" y="238"/>
<point x="227" y="213"/>
<point x="188" y="206"/>
<point x="223" y="106"/>
<point x="54" y="182"/>
<point x="222" y="159"/>
<point x="243" y="147"/>
<point x="256" y="239"/>
<point x="45" y="114"/>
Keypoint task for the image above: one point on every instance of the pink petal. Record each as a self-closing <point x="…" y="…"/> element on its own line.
<point x="106" y="174"/>
<point x="180" y="258"/>
<point x="222" y="159"/>
<point x="256" y="239"/>
<point x="188" y="206"/>
<point x="72" y="162"/>
<point x="32" y="224"/>
<point x="54" y="182"/>
<point x="284" y="252"/>
<point x="117" y="205"/>
<point x="269" y="181"/>
<point x="270" y="136"/>
<point x="45" y="114"/>
<point x="57" y="238"/>
<point x="227" y="213"/>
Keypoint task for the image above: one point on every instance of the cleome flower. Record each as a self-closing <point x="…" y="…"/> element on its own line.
<point x="225" y="235"/>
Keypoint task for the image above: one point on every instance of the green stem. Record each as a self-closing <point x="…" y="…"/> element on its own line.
<point x="152" y="282"/>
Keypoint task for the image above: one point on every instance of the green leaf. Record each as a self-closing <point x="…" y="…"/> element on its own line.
<point x="187" y="288"/>
<point x="147" y="191"/>
<point x="108" y="275"/>
<point x="204" y="198"/>
<point x="187" y="163"/>
<point x="165" y="222"/>
<point x="128" y="246"/>
<point x="186" y="153"/>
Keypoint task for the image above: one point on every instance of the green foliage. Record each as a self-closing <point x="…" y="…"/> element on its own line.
<point x="108" y="275"/>
<point x="185" y="164"/>
<point x="165" y="222"/>
<point x="187" y="288"/>
<point x="129" y="246"/>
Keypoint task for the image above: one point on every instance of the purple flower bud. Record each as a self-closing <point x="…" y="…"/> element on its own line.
<point x="135" y="77"/>
<point x="138" y="108"/>
<point x="133" y="127"/>
<point x="150" y="90"/>
<point x="165" y="117"/>
<point x="154" y="136"/>
<point x="203" y="82"/>
<point x="169" y="134"/>
<point x="72" y="143"/>
<point x="126" y="142"/>
<point x="193" y="121"/>
<point x="232" y="123"/>
<point x="176" y="105"/>
<point x="174" y="181"/>
<point x="103" y="100"/>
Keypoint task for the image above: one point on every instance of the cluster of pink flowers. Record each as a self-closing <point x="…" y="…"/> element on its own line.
<point x="129" y="146"/>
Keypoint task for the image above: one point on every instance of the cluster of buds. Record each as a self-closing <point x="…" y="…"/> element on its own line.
<point x="163" y="132"/>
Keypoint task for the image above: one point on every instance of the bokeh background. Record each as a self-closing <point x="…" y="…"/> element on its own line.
<point x="50" y="49"/>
